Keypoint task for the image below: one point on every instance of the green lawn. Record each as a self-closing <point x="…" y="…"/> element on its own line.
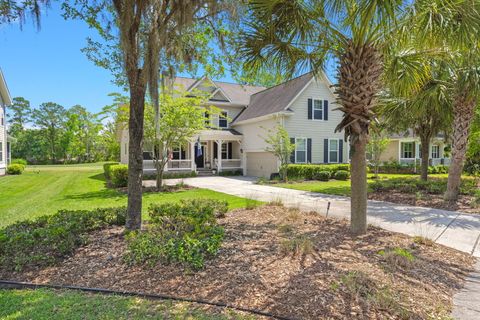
<point x="336" y="187"/>
<point x="48" y="304"/>
<point x="45" y="189"/>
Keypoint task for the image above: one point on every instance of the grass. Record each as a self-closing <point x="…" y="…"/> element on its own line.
<point x="337" y="187"/>
<point x="49" y="304"/>
<point x="45" y="189"/>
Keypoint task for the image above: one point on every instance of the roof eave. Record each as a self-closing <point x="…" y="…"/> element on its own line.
<point x="4" y="90"/>
<point x="264" y="117"/>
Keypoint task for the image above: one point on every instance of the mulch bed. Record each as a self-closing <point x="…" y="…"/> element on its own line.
<point x="463" y="204"/>
<point x="255" y="270"/>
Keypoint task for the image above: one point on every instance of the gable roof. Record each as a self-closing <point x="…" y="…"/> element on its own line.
<point x="275" y="99"/>
<point x="236" y="93"/>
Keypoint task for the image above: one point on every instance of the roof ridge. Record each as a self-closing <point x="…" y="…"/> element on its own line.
<point x="221" y="81"/>
<point x="285" y="82"/>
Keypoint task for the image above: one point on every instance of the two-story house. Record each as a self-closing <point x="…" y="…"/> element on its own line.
<point x="302" y="105"/>
<point x="5" y="101"/>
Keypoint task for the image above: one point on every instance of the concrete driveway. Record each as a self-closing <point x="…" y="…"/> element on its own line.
<point x="453" y="229"/>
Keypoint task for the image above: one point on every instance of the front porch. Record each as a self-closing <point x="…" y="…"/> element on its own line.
<point x="409" y="153"/>
<point x="212" y="151"/>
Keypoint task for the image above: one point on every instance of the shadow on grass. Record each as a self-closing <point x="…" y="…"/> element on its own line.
<point x="100" y="177"/>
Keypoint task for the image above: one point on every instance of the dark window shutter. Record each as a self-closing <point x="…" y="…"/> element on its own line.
<point x="229" y="150"/>
<point x="325" y="109"/>
<point x="325" y="150"/>
<point x="292" y="155"/>
<point x="310" y="109"/>
<point x="215" y="150"/>
<point x="340" y="151"/>
<point x="309" y="150"/>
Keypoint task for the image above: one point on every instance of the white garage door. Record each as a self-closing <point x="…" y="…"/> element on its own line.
<point x="261" y="164"/>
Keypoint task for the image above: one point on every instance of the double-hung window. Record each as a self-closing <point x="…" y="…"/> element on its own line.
<point x="300" y="150"/>
<point x="1" y="151"/>
<point x="206" y="115"/>
<point x="223" y="120"/>
<point x="435" y="151"/>
<point x="317" y="109"/>
<point x="178" y="153"/>
<point x="224" y="150"/>
<point x="407" y="150"/>
<point x="333" y="151"/>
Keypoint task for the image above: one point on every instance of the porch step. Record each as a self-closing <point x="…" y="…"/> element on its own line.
<point x="204" y="172"/>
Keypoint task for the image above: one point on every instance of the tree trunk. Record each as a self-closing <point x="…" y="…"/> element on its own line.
<point x="358" y="85"/>
<point x="135" y="157"/>
<point x="358" y="202"/>
<point x="425" y="141"/>
<point x="463" y="113"/>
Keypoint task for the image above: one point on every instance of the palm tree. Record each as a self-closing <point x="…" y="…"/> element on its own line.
<point x="296" y="34"/>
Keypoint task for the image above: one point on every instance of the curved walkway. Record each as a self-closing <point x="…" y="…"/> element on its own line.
<point x="453" y="229"/>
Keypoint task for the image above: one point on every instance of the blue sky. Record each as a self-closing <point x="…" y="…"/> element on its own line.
<point x="47" y="65"/>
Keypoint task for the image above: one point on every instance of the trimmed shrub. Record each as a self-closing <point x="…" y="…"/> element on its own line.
<point x="119" y="175"/>
<point x="308" y="171"/>
<point x="431" y="186"/>
<point x="185" y="233"/>
<point x="15" y="168"/>
<point x="322" y="175"/>
<point x="107" y="169"/>
<point x="19" y="161"/>
<point x="341" y="175"/>
<point x="171" y="175"/>
<point x="47" y="239"/>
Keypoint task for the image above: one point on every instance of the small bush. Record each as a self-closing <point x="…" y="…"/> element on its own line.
<point x="322" y="175"/>
<point x="231" y="173"/>
<point x="423" y="241"/>
<point x="398" y="258"/>
<point x="107" y="169"/>
<point x="47" y="239"/>
<point x="15" y="169"/>
<point x="119" y="175"/>
<point x="298" y="245"/>
<point x="185" y="233"/>
<point x="19" y="161"/>
<point x="341" y="175"/>
<point x="171" y="175"/>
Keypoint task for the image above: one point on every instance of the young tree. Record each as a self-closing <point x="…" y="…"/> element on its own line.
<point x="154" y="37"/>
<point x="181" y="117"/>
<point x="50" y="117"/>
<point x="280" y="145"/>
<point x="18" y="115"/>
<point x="376" y="147"/>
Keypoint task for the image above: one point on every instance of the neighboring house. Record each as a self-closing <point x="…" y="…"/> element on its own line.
<point x="406" y="149"/>
<point x="302" y="105"/>
<point x="5" y="101"/>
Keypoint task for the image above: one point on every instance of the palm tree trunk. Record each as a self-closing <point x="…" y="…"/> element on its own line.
<point x="358" y="168"/>
<point x="358" y="85"/>
<point x="135" y="157"/>
<point x="425" y="141"/>
<point x="463" y="113"/>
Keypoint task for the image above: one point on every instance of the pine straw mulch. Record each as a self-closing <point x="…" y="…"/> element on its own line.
<point x="463" y="204"/>
<point x="290" y="263"/>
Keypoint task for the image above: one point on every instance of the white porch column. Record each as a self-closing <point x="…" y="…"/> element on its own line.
<point x="192" y="156"/>
<point x="219" y="155"/>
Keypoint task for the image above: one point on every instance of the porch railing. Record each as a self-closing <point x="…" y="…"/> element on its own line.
<point x="184" y="164"/>
<point x="432" y="162"/>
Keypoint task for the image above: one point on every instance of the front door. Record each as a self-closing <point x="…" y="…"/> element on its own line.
<point x="199" y="159"/>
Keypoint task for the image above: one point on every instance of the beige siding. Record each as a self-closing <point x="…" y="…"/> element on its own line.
<point x="261" y="164"/>
<point x="254" y="134"/>
<point x="298" y="125"/>
<point x="391" y="152"/>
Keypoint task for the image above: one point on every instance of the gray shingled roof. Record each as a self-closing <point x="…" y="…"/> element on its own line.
<point x="274" y="99"/>
<point x="237" y="93"/>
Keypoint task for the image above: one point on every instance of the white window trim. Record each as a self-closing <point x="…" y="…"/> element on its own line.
<point x="226" y="119"/>
<point x="322" y="107"/>
<point x="438" y="153"/>
<point x="306" y="148"/>
<point x="401" y="149"/>
<point x="329" y="150"/>
<point x="180" y="153"/>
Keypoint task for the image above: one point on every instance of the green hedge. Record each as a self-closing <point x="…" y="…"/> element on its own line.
<point x="15" y="168"/>
<point x="119" y="175"/>
<point x="395" y="167"/>
<point x="170" y="175"/>
<point x="311" y="171"/>
<point x="185" y="233"/>
<point x="19" y="161"/>
<point x="47" y="239"/>
<point x="107" y="169"/>
<point x="412" y="185"/>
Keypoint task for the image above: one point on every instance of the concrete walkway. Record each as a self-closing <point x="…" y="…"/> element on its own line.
<point x="453" y="229"/>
